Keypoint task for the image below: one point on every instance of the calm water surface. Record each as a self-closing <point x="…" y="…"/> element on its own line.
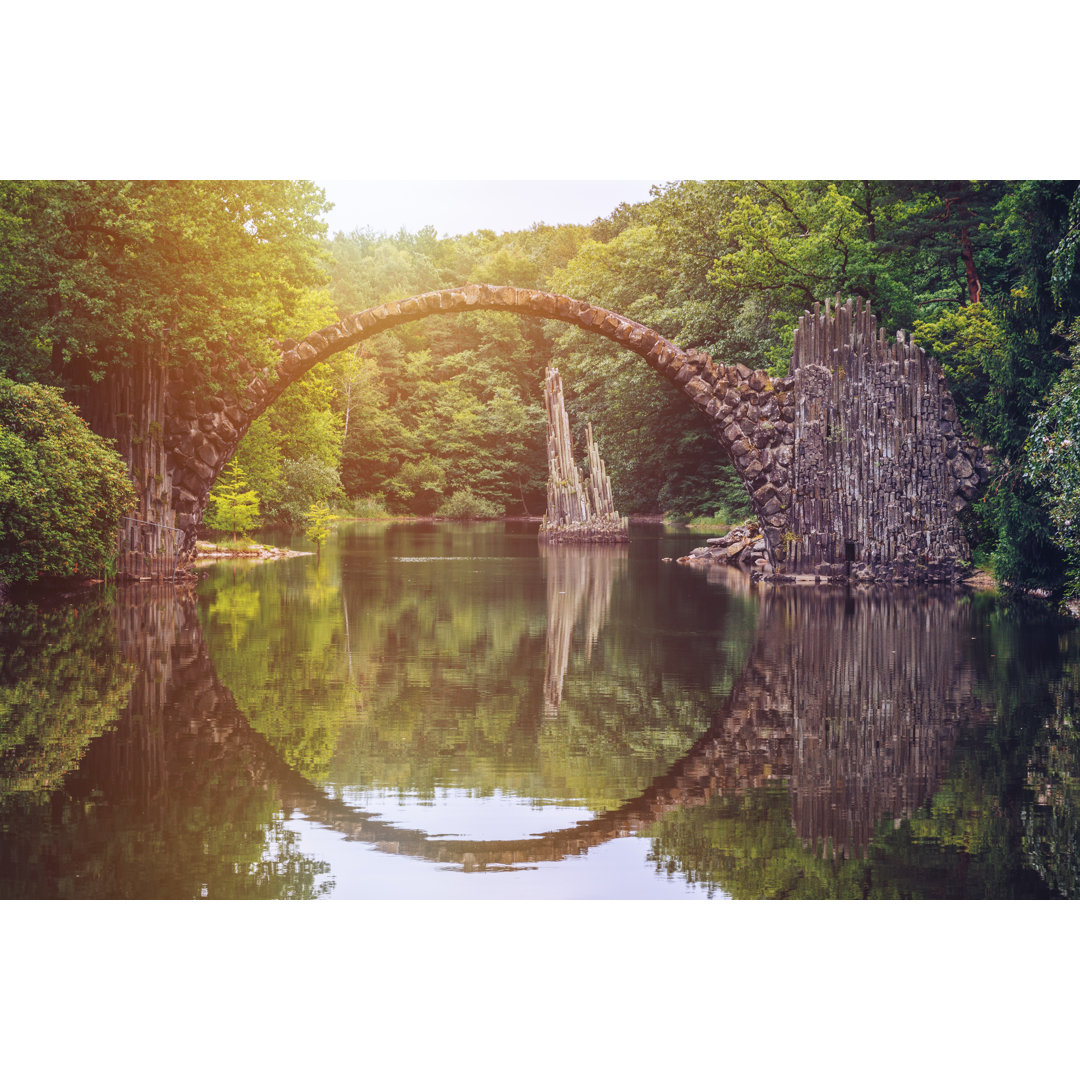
<point x="437" y="710"/>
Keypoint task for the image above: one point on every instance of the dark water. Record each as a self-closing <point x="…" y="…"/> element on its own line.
<point x="450" y="711"/>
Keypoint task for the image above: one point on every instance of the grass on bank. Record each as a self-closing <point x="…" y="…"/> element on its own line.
<point x="226" y="543"/>
<point x="718" y="526"/>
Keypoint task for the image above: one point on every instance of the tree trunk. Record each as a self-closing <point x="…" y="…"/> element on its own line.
<point x="973" y="285"/>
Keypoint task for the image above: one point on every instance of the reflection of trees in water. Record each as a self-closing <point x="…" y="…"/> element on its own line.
<point x="62" y="683"/>
<point x="424" y="675"/>
<point x="856" y="727"/>
<point x="579" y="582"/>
<point x="174" y="801"/>
<point x="1052" y="818"/>
<point x="856" y="701"/>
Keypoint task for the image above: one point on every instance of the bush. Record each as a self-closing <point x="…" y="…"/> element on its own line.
<point x="418" y="486"/>
<point x="464" y="505"/>
<point x="63" y="489"/>
<point x="366" y="506"/>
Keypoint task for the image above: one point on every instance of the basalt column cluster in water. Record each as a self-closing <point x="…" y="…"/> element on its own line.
<point x="578" y="510"/>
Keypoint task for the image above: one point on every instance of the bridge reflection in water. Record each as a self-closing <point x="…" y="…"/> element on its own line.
<point x="855" y="701"/>
<point x="840" y="728"/>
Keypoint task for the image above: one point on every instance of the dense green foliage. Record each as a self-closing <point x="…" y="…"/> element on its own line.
<point x="63" y="490"/>
<point x="98" y="276"/>
<point x="1053" y="464"/>
<point x="464" y="505"/>
<point x="90" y="270"/>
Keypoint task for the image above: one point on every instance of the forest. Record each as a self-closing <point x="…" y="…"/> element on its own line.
<point x="446" y="415"/>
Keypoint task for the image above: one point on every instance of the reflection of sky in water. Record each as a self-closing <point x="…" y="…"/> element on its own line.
<point x="611" y="871"/>
<point x="447" y="558"/>
<point x="451" y="813"/>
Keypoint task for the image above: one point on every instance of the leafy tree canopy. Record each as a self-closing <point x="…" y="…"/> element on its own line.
<point x="213" y="269"/>
<point x="63" y="490"/>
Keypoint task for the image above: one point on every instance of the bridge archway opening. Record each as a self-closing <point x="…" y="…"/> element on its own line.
<point x="202" y="436"/>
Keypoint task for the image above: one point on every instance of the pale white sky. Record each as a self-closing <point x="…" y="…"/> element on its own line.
<point x="456" y="207"/>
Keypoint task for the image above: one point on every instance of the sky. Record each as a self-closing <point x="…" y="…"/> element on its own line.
<point x="457" y="207"/>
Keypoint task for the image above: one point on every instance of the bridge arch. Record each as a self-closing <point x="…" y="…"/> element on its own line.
<point x="750" y="414"/>
<point x="855" y="463"/>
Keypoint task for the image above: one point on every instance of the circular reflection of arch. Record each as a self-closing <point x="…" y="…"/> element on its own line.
<point x="854" y="701"/>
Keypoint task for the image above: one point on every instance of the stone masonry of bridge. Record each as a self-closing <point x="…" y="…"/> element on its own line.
<point x="854" y="460"/>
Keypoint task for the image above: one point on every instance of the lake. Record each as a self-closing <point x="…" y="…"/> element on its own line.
<point x="437" y="710"/>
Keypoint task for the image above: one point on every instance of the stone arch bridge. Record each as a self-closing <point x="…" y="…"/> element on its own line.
<point x="855" y="459"/>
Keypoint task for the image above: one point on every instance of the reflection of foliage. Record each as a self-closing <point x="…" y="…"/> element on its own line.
<point x="476" y="719"/>
<point x="285" y="673"/>
<point x="62" y="683"/>
<point x="236" y="607"/>
<point x="963" y="815"/>
<point x="1002" y="824"/>
<point x="745" y="845"/>
<point x="1052" y="821"/>
<point x="217" y="836"/>
<point x="419" y="676"/>
<point x="168" y="801"/>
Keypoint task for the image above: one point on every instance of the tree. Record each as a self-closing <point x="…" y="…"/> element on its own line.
<point x="1052" y="463"/>
<point x="1043" y="299"/>
<point x="658" y="449"/>
<point x="235" y="506"/>
<point x="213" y="268"/>
<point x="967" y="342"/>
<point x="307" y="481"/>
<point x="63" y="489"/>
<point x="317" y="520"/>
<point x="105" y="286"/>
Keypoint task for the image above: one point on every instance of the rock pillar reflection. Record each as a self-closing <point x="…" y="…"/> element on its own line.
<point x="579" y="587"/>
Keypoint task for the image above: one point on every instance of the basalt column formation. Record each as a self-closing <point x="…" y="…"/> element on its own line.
<point x="578" y="511"/>
<point x="880" y="467"/>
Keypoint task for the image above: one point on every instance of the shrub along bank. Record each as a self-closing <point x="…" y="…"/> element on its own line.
<point x="63" y="489"/>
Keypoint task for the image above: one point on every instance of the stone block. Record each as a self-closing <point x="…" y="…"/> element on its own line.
<point x="206" y="452"/>
<point x="960" y="467"/>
